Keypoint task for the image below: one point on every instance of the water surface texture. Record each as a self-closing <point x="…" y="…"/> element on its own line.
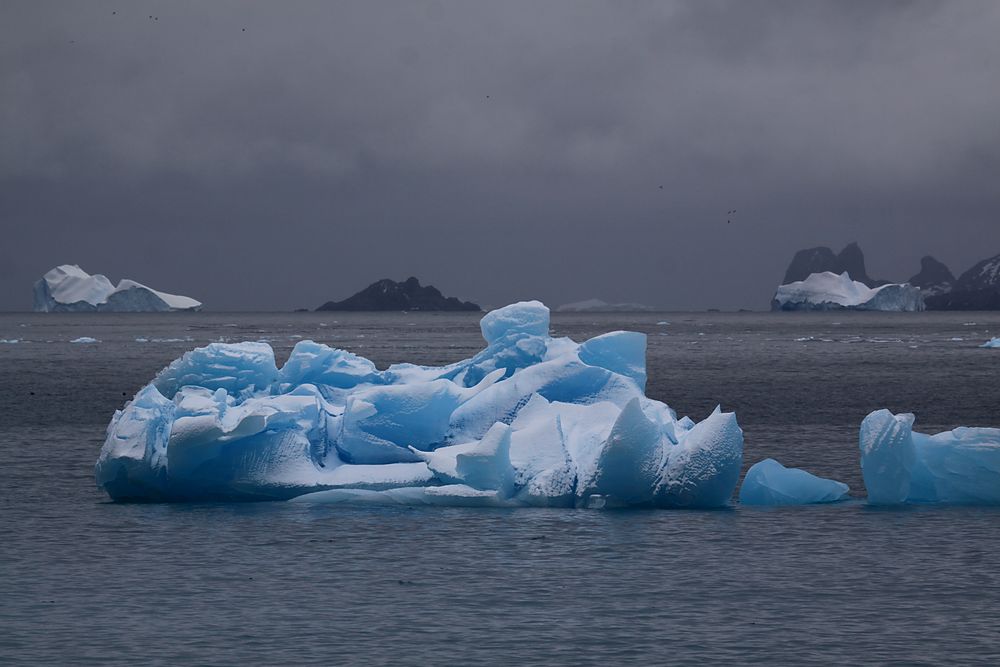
<point x="85" y="581"/>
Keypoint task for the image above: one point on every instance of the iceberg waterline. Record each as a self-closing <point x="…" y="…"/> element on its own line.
<point x="530" y="420"/>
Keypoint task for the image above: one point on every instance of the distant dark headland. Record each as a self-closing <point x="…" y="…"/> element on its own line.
<point x="821" y="258"/>
<point x="976" y="289"/>
<point x="390" y="295"/>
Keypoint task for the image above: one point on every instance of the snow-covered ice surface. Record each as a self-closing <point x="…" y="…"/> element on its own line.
<point x="992" y="343"/>
<point x="68" y="288"/>
<point x="532" y="420"/>
<point x="85" y="339"/>
<point x="828" y="291"/>
<point x="899" y="466"/>
<point x="768" y="482"/>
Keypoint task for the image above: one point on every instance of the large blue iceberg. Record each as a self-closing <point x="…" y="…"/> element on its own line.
<point x="531" y="420"/>
<point x="770" y="483"/>
<point x="901" y="466"/>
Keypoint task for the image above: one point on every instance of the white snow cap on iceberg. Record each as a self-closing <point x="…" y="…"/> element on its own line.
<point x="828" y="291"/>
<point x="70" y="288"/>
<point x="531" y="420"/>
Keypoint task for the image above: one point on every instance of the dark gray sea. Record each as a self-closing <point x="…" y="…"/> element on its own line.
<point x="84" y="581"/>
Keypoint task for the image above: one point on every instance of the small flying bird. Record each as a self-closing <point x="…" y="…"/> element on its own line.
<point x="661" y="187"/>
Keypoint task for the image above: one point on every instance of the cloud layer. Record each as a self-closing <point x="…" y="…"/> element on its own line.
<point x="273" y="155"/>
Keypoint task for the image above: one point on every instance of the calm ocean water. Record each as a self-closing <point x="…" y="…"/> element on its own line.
<point x="85" y="581"/>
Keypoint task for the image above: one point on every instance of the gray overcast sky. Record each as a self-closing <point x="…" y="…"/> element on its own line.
<point x="498" y="150"/>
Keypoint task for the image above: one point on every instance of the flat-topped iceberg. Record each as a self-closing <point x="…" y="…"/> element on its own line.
<point x="901" y="466"/>
<point x="530" y="420"/>
<point x="770" y="483"/>
<point x="68" y="288"/>
<point x="829" y="291"/>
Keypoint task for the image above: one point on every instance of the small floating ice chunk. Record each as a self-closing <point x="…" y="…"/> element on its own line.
<point x="992" y="343"/>
<point x="10" y="341"/>
<point x="902" y="466"/>
<point x="770" y="483"/>
<point x="85" y="339"/>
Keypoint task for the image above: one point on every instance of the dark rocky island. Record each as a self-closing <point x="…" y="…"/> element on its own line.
<point x="388" y="295"/>
<point x="934" y="277"/>
<point x="976" y="289"/>
<point x="821" y="258"/>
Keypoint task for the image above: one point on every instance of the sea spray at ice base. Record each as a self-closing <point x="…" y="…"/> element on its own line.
<point x="530" y="420"/>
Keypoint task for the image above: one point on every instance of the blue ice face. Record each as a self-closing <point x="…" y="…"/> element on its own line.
<point x="900" y="466"/>
<point x="531" y="420"/>
<point x="770" y="483"/>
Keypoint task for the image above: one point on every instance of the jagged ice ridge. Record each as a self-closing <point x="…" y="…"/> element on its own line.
<point x="530" y="420"/>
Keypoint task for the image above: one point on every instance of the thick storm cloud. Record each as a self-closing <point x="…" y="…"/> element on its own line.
<point x="265" y="155"/>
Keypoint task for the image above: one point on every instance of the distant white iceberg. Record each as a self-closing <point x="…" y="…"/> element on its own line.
<point x="828" y="291"/>
<point x="85" y="339"/>
<point x="901" y="466"/>
<point x="68" y="288"/>
<point x="770" y="483"/>
<point x="531" y="420"/>
<point x="598" y="306"/>
<point x="993" y="343"/>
